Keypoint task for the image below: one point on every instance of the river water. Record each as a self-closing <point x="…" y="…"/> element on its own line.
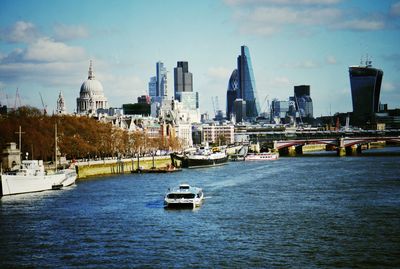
<point x="318" y="211"/>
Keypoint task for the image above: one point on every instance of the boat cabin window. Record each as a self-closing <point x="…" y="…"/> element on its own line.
<point x="184" y="187"/>
<point x="181" y="195"/>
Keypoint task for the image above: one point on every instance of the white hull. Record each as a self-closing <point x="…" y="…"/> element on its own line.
<point x="186" y="203"/>
<point x="16" y="184"/>
<point x="262" y="157"/>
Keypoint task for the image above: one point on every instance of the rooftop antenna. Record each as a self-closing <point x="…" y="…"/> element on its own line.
<point x="368" y="62"/>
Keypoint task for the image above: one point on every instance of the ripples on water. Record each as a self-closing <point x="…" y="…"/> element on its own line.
<point x="315" y="212"/>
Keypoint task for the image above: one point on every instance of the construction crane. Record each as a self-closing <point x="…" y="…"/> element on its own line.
<point x="43" y="105"/>
<point x="1" y="97"/>
<point x="265" y="104"/>
<point x="17" y="100"/>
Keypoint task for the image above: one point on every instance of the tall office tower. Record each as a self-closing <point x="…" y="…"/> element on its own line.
<point x="153" y="87"/>
<point x="158" y="84"/>
<point x="303" y="101"/>
<point x="240" y="110"/>
<point x="161" y="75"/>
<point x="301" y="90"/>
<point x="365" y="84"/>
<point x="232" y="93"/>
<point x="183" y="79"/>
<point x="279" y="110"/>
<point x="247" y="83"/>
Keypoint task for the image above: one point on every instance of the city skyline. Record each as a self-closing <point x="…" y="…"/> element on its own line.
<point x="45" y="47"/>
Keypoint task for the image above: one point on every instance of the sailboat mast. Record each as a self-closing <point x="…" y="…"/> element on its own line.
<point x="55" y="139"/>
<point x="19" y="146"/>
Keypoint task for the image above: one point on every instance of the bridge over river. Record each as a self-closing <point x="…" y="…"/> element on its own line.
<point x="345" y="143"/>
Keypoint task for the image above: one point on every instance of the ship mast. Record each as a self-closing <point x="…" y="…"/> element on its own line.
<point x="19" y="146"/>
<point x="55" y="139"/>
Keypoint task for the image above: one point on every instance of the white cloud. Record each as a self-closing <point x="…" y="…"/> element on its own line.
<point x="361" y="25"/>
<point x="266" y="21"/>
<point x="42" y="61"/>
<point x="20" y="32"/>
<point x="281" y="2"/>
<point x="286" y="15"/>
<point x="395" y="9"/>
<point x="122" y="88"/>
<point x="219" y="73"/>
<point x="330" y="59"/>
<point x="47" y="50"/>
<point x="68" y="32"/>
<point x="269" y="17"/>
<point x="389" y="86"/>
<point x="46" y="74"/>
<point x="280" y="82"/>
<point x="44" y="50"/>
<point x="306" y="64"/>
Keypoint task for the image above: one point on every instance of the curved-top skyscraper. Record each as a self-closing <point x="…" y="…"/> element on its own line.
<point x="232" y="93"/>
<point x="365" y="84"/>
<point x="247" y="84"/>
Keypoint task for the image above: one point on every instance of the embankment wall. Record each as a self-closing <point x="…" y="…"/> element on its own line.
<point x="109" y="167"/>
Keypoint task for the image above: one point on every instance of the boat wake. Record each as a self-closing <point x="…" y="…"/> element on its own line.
<point x="155" y="204"/>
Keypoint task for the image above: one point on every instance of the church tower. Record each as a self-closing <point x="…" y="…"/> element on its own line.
<point x="61" y="109"/>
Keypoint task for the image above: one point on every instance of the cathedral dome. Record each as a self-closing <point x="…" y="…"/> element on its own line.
<point x="92" y="86"/>
<point x="91" y="96"/>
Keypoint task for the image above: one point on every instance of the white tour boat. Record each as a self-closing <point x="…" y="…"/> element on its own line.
<point x="31" y="177"/>
<point x="264" y="156"/>
<point x="184" y="196"/>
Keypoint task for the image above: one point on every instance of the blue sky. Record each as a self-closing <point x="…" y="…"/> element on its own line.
<point x="45" y="46"/>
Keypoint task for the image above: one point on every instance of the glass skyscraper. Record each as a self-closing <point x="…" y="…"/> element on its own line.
<point x="232" y="94"/>
<point x="161" y="74"/>
<point x="247" y="85"/>
<point x="365" y="84"/>
<point x="158" y="84"/>
<point x="303" y="101"/>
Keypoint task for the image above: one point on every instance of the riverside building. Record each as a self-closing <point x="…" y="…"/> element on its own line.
<point x="217" y="133"/>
